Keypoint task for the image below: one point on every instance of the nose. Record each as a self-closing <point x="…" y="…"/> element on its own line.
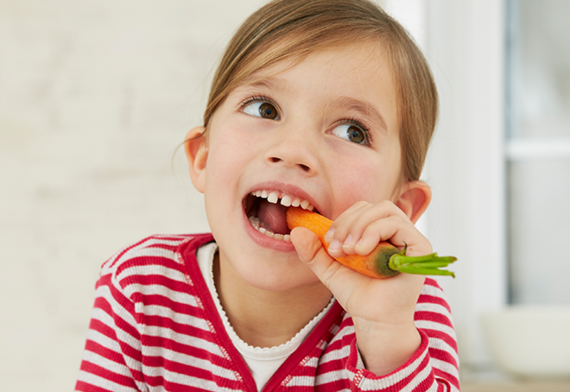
<point x="294" y="149"/>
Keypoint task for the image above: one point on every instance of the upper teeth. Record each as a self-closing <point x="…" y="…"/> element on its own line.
<point x="286" y="200"/>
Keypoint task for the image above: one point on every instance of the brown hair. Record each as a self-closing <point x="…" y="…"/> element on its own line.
<point x="291" y="29"/>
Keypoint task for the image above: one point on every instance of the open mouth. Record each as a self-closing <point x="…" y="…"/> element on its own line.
<point x="266" y="209"/>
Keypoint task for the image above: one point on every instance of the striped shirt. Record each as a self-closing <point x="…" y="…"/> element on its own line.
<point x="155" y="327"/>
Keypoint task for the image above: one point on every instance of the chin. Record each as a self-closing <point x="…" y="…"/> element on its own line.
<point x="277" y="278"/>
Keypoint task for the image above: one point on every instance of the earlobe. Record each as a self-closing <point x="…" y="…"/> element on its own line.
<point x="414" y="199"/>
<point x="196" y="149"/>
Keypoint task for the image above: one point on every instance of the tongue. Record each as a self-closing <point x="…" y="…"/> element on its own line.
<point x="273" y="216"/>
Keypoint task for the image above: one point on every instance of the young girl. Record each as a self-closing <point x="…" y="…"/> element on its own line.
<point x="323" y="104"/>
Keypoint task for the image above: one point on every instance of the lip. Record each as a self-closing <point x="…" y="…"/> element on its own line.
<point x="261" y="239"/>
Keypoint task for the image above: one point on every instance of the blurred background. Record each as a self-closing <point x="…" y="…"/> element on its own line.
<point x="96" y="97"/>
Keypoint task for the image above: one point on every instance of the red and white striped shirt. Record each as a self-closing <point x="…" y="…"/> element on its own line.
<point x="155" y="327"/>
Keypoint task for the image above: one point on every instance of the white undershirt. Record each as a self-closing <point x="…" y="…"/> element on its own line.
<point x="262" y="361"/>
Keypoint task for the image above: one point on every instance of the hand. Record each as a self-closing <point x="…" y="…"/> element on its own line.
<point x="382" y="309"/>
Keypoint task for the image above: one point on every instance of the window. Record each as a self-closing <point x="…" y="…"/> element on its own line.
<point x="538" y="151"/>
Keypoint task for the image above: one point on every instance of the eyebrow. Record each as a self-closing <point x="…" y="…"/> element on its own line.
<point x="270" y="83"/>
<point x="363" y="108"/>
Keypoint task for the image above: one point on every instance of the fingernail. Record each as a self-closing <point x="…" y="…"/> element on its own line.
<point x="359" y="243"/>
<point x="329" y="234"/>
<point x="347" y="242"/>
<point x="334" y="246"/>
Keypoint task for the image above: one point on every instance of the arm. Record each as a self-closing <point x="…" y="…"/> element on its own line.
<point x="418" y="374"/>
<point x="434" y="364"/>
<point x="112" y="354"/>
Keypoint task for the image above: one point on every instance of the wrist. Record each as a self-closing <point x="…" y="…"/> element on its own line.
<point x="384" y="347"/>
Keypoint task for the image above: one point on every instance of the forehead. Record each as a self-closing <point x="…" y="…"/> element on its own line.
<point x="368" y="55"/>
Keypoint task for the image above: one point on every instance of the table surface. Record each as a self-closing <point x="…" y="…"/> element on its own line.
<point x="562" y="386"/>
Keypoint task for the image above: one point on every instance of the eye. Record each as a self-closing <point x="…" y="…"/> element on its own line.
<point x="261" y="109"/>
<point x="352" y="133"/>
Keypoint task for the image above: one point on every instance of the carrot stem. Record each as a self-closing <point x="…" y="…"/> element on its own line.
<point x="422" y="265"/>
<point x="425" y="271"/>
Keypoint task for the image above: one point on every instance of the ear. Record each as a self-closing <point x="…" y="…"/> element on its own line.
<point x="414" y="199"/>
<point x="196" y="149"/>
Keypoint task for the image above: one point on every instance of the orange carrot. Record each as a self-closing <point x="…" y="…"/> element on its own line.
<point x="383" y="262"/>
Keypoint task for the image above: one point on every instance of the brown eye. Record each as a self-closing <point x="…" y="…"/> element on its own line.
<point x="266" y="110"/>
<point x="355" y="135"/>
<point x="261" y="109"/>
<point x="352" y="133"/>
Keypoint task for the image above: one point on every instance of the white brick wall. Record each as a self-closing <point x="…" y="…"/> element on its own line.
<point x="95" y="96"/>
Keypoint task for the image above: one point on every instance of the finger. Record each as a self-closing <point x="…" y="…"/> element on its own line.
<point x="368" y="219"/>
<point x="376" y="232"/>
<point x="397" y="231"/>
<point x="344" y="235"/>
<point x="341" y="224"/>
<point x="311" y="252"/>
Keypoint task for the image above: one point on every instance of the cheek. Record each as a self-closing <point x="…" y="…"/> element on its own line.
<point x="371" y="180"/>
<point x="228" y="153"/>
<point x="359" y="182"/>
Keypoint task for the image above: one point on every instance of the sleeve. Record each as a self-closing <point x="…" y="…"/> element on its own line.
<point x="112" y="356"/>
<point x="434" y="367"/>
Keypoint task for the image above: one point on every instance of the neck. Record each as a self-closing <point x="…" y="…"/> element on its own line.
<point x="263" y="318"/>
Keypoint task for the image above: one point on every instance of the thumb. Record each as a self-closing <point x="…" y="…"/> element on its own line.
<point x="311" y="252"/>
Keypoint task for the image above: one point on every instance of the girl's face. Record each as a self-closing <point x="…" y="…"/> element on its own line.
<point x="324" y="131"/>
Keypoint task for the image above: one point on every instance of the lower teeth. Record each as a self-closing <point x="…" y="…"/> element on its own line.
<point x="255" y="223"/>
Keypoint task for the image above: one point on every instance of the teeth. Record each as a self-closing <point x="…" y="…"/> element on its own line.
<point x="281" y="237"/>
<point x="254" y="222"/>
<point x="286" y="201"/>
<point x="273" y="197"/>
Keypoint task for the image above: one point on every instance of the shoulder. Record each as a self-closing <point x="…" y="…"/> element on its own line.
<point x="155" y="249"/>
<point x="431" y="287"/>
<point x="433" y="317"/>
<point x="433" y="299"/>
<point x="152" y="259"/>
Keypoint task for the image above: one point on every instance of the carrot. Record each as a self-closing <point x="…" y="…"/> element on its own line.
<point x="383" y="262"/>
